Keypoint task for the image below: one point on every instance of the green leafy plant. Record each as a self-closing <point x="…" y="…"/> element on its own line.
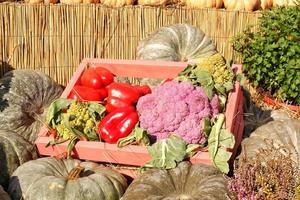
<point x="271" y="55"/>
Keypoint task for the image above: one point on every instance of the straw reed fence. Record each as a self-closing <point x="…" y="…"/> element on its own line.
<point x="55" y="38"/>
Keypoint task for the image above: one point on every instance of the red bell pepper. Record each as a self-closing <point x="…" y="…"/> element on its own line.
<point x="121" y="95"/>
<point x="117" y="124"/>
<point x="123" y="91"/>
<point x="96" y="77"/>
<point x="83" y="93"/>
<point x="143" y="89"/>
<point x="114" y="103"/>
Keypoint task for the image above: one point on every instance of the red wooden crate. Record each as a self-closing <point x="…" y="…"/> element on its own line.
<point x="132" y="154"/>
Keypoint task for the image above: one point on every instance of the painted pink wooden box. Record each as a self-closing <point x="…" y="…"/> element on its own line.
<point x="132" y="154"/>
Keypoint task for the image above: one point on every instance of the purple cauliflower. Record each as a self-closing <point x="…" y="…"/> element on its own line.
<point x="176" y="108"/>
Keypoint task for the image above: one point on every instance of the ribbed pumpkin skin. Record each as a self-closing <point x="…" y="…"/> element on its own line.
<point x="284" y="133"/>
<point x="24" y="97"/>
<point x="3" y="194"/>
<point x="247" y="5"/>
<point x="45" y="178"/>
<point x="14" y="151"/>
<point x="186" y="182"/>
<point x="180" y="42"/>
<point x="117" y="3"/>
<point x="204" y="3"/>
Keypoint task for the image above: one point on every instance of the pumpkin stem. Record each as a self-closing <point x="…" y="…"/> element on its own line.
<point x="74" y="173"/>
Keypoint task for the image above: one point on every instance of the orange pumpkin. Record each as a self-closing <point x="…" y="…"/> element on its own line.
<point x="204" y="3"/>
<point x="117" y="3"/>
<point x="154" y="2"/>
<point x="40" y="1"/>
<point x="266" y="4"/>
<point x="247" y="5"/>
<point x="78" y="1"/>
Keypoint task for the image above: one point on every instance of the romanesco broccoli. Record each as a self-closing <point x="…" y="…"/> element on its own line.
<point x="217" y="67"/>
<point x="79" y="118"/>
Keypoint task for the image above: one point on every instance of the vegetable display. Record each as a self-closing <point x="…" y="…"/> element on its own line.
<point x="174" y="121"/>
<point x="60" y="179"/>
<point x="14" y="151"/>
<point x="24" y="98"/>
<point x="90" y="116"/>
<point x="186" y="181"/>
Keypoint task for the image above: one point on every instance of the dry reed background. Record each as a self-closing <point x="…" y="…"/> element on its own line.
<point x="54" y="38"/>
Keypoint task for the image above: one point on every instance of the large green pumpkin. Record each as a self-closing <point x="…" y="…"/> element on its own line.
<point x="3" y="194"/>
<point x="282" y="133"/>
<point x="24" y="97"/>
<point x="179" y="42"/>
<point x="14" y="151"/>
<point x="57" y="179"/>
<point x="185" y="182"/>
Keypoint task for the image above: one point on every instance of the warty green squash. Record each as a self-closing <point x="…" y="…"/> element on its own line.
<point x="24" y="98"/>
<point x="65" y="179"/>
<point x="14" y="151"/>
<point x="185" y="182"/>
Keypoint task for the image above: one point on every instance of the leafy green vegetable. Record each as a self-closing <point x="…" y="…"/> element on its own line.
<point x="74" y="120"/>
<point x="137" y="136"/>
<point x="192" y="149"/>
<point x="97" y="110"/>
<point x="271" y="55"/>
<point x="55" y="108"/>
<point x="167" y="153"/>
<point x="212" y="73"/>
<point x="206" y="126"/>
<point x="206" y="81"/>
<point x="219" y="141"/>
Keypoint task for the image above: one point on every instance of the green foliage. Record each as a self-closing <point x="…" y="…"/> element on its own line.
<point x="271" y="56"/>
<point x="167" y="153"/>
<point x="137" y="136"/>
<point x="219" y="141"/>
<point x="212" y="73"/>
